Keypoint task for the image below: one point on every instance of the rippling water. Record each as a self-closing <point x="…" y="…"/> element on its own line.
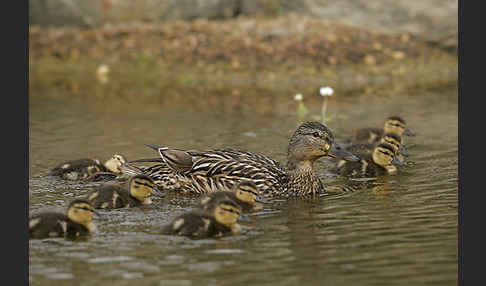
<point x="396" y="230"/>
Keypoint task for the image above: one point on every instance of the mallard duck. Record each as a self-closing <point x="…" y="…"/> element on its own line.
<point x="113" y="196"/>
<point x="393" y="124"/>
<point x="194" y="171"/>
<point x="245" y="194"/>
<point x="84" y="168"/>
<point x="219" y="218"/>
<point x="76" y="222"/>
<point x="382" y="161"/>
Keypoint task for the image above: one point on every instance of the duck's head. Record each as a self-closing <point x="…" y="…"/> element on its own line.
<point x="113" y="164"/>
<point x="396" y="124"/>
<point x="395" y="141"/>
<point x="384" y="155"/>
<point x="226" y="212"/>
<point x="248" y="192"/>
<point x="311" y="141"/>
<point x="142" y="187"/>
<point x="81" y="211"/>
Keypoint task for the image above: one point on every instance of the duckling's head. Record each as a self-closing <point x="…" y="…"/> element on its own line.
<point x="384" y="155"/>
<point x="395" y="141"/>
<point x="248" y="192"/>
<point x="142" y="187"/>
<point x="311" y="141"/>
<point x="81" y="211"/>
<point x="113" y="164"/>
<point x="226" y="212"/>
<point x="396" y="124"/>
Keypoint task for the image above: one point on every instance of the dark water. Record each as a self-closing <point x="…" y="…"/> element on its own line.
<point x="397" y="230"/>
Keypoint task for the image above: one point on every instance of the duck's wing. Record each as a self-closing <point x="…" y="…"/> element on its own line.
<point x="222" y="169"/>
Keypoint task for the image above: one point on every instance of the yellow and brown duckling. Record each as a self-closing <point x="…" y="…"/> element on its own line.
<point x="382" y="161"/>
<point x="245" y="194"/>
<point x="393" y="124"/>
<point x="78" y="221"/>
<point x="112" y="196"/>
<point x="219" y="218"/>
<point x="193" y="171"/>
<point x="84" y="168"/>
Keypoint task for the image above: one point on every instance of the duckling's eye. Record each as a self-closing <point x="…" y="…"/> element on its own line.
<point x="316" y="134"/>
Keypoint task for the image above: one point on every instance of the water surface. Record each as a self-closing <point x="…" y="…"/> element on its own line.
<point x="396" y="230"/>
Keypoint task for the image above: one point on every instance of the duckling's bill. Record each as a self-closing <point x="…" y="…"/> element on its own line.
<point x="408" y="132"/>
<point x="157" y="192"/>
<point x="263" y="200"/>
<point x="397" y="162"/>
<point x="244" y="218"/>
<point x="402" y="151"/>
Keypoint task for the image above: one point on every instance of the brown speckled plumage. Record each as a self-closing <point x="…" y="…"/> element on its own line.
<point x="213" y="170"/>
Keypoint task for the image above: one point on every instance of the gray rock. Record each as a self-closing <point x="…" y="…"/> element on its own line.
<point x="435" y="21"/>
<point x="65" y="12"/>
<point x="193" y="9"/>
<point x="431" y="20"/>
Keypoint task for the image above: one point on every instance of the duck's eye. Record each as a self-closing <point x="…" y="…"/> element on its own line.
<point x="316" y="134"/>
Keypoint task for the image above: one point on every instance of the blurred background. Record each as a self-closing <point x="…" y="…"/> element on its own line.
<point x="318" y="38"/>
<point x="108" y="76"/>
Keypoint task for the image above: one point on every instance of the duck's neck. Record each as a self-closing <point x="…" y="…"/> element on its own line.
<point x="302" y="179"/>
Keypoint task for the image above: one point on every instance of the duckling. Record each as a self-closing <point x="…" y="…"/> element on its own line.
<point x="382" y="161"/>
<point x="113" y="196"/>
<point x="193" y="171"/>
<point x="393" y="124"/>
<point x="84" y="168"/>
<point x="219" y="218"/>
<point x="245" y="194"/>
<point x="76" y="222"/>
<point x="391" y="138"/>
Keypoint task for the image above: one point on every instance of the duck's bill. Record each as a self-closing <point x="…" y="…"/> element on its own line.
<point x="402" y="151"/>
<point x="158" y="160"/>
<point x="157" y="192"/>
<point x="397" y="162"/>
<point x="263" y="200"/>
<point x="338" y="151"/>
<point x="408" y="132"/>
<point x="244" y="218"/>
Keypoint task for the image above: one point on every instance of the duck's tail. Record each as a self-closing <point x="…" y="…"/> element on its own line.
<point x="130" y="170"/>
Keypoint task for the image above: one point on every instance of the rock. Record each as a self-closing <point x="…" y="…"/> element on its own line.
<point x="193" y="9"/>
<point x="434" y="21"/>
<point x="65" y="12"/>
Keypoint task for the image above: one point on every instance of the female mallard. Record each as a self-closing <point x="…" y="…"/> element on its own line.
<point x="199" y="172"/>
<point x="382" y="161"/>
<point x="112" y="196"/>
<point x="84" y="168"/>
<point x="76" y="222"/>
<point x="219" y="218"/>
<point x="393" y="124"/>
<point x="245" y="194"/>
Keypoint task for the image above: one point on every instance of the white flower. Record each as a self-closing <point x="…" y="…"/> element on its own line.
<point x="102" y="70"/>
<point x="326" y="91"/>
<point x="102" y="73"/>
<point x="298" y="97"/>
